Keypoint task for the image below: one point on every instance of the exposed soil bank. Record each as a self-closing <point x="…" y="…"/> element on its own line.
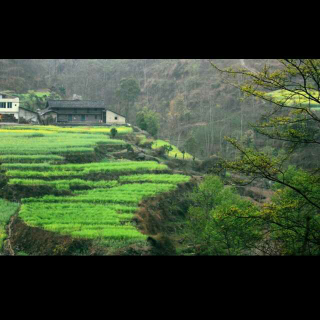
<point x="39" y="242"/>
<point x="160" y="216"/>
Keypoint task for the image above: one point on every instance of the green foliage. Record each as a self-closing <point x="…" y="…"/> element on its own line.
<point x="148" y="120"/>
<point x="113" y="132"/>
<point x="128" y="93"/>
<point x="216" y="223"/>
<point x="172" y="152"/>
<point x="36" y="99"/>
<point x="292" y="218"/>
<point x="191" y="145"/>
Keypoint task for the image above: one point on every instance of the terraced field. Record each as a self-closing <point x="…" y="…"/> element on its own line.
<point x="290" y="99"/>
<point x="97" y="200"/>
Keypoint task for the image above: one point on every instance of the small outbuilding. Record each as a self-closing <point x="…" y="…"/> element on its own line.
<point x="28" y="115"/>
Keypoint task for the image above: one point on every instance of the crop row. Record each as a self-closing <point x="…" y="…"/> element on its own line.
<point x="129" y="193"/>
<point x="81" y="166"/>
<point x="155" y="178"/>
<point x="126" y="167"/>
<point x="18" y="158"/>
<point x="64" y="184"/>
<point x="55" y="129"/>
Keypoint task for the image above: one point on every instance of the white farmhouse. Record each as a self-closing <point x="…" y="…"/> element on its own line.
<point x="9" y="106"/>
<point x="11" y="111"/>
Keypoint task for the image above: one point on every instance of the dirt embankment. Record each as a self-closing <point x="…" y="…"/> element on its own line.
<point x="160" y="216"/>
<point x="36" y="241"/>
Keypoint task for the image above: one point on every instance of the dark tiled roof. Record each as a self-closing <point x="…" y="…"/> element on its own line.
<point x="28" y="110"/>
<point x="75" y="104"/>
<point x="45" y="111"/>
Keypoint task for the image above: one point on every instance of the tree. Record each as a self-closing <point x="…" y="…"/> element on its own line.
<point x="191" y="145"/>
<point x="148" y="120"/>
<point x="215" y="224"/>
<point x="128" y="93"/>
<point x="291" y="96"/>
<point x="113" y="132"/>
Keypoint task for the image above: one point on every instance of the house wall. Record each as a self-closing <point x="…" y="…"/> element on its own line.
<point x="15" y="107"/>
<point x="89" y="118"/>
<point x="113" y="118"/>
<point x="52" y="115"/>
<point x="27" y="115"/>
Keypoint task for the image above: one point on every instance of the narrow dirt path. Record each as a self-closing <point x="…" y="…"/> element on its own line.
<point x="8" y="241"/>
<point x="9" y="246"/>
<point x="245" y="66"/>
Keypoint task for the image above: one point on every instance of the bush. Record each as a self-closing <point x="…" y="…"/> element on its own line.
<point x="113" y="132"/>
<point x="148" y="120"/>
<point x="216" y="224"/>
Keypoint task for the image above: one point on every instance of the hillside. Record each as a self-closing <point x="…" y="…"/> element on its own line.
<point x="78" y="191"/>
<point x="189" y="95"/>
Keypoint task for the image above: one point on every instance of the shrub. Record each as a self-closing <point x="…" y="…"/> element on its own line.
<point x="113" y="132"/>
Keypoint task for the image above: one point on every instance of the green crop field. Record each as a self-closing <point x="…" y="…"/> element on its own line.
<point x="83" y="130"/>
<point x="156" y="178"/>
<point x="100" y="198"/>
<point x="72" y="184"/>
<point x="52" y="172"/>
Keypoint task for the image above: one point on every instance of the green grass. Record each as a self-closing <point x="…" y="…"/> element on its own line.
<point x="7" y="209"/>
<point x="160" y="143"/>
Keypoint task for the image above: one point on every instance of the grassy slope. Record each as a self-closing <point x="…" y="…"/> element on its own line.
<point x="175" y="151"/>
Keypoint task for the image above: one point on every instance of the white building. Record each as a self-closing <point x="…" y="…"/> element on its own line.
<point x="114" y="118"/>
<point x="11" y="111"/>
<point x="9" y="105"/>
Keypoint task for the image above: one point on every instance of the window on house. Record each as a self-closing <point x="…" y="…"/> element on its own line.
<point x="115" y="118"/>
<point x="69" y="117"/>
<point x="9" y="105"/>
<point x="83" y="117"/>
<point x="2" y="104"/>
